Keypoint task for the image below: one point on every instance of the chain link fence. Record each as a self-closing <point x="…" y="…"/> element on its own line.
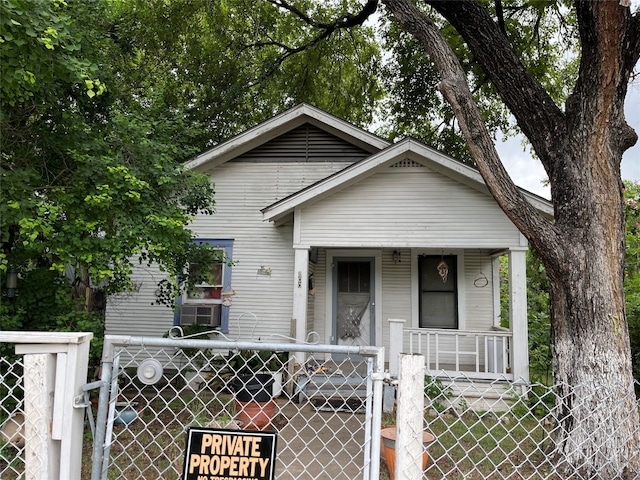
<point x="21" y="417"/>
<point x="322" y="404"/>
<point x="321" y="409"/>
<point x="502" y="430"/>
<point x="12" y="419"/>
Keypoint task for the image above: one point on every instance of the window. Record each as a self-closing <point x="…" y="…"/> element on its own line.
<point x="202" y="304"/>
<point x="210" y="290"/>
<point x="438" y="286"/>
<point x="354" y="277"/>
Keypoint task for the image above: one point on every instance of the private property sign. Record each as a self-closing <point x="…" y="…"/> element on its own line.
<point x="219" y="454"/>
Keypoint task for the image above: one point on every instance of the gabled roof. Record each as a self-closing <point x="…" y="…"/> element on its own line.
<point x="280" y="124"/>
<point x="406" y="149"/>
<point x="383" y="154"/>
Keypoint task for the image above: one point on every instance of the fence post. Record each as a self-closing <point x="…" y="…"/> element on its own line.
<point x="410" y="417"/>
<point x="56" y="365"/>
<point x="518" y="314"/>
<point x="396" y="343"/>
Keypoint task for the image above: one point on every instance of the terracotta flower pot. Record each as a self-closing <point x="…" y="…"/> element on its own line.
<point x="12" y="430"/>
<point x="389" y="446"/>
<point x="255" y="415"/>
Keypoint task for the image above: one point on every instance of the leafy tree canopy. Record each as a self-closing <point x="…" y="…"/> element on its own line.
<point x="85" y="183"/>
<point x="224" y="66"/>
<point x="414" y="105"/>
<point x="101" y="101"/>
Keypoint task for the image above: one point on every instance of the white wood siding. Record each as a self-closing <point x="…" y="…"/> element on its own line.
<point x="242" y="190"/>
<point x="319" y="319"/>
<point x="136" y="313"/>
<point x="409" y="206"/>
<point x="478" y="299"/>
<point x="408" y="209"/>
<point x="396" y="287"/>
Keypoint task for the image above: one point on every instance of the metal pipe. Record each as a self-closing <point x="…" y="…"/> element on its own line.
<point x="368" y="435"/>
<point x="111" y="413"/>
<point x="101" y="422"/>
<point x="378" y="377"/>
<point x="124" y="340"/>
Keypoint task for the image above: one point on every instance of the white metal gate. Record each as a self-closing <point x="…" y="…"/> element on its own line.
<point x="327" y="413"/>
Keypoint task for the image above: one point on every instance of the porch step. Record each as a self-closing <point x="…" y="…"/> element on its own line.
<point x="333" y="383"/>
<point x="482" y="396"/>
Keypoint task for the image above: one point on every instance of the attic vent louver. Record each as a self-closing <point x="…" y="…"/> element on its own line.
<point x="406" y="163"/>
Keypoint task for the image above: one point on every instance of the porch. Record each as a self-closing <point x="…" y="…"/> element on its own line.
<point x="466" y="354"/>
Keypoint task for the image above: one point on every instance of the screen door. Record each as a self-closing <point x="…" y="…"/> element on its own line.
<point x="353" y="302"/>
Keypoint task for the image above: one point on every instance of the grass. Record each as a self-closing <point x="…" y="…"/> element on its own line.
<point x="469" y="446"/>
<point x="477" y="446"/>
<point x="152" y="446"/>
<point x="486" y="445"/>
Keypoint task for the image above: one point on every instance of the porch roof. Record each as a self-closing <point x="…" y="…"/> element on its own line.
<point x="406" y="149"/>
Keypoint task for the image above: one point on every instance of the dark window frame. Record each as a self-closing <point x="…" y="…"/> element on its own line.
<point x="431" y="286"/>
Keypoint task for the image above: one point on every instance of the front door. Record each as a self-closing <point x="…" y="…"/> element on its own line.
<point x="353" y="301"/>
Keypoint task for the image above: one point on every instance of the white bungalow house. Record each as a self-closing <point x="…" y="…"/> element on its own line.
<point x="334" y="233"/>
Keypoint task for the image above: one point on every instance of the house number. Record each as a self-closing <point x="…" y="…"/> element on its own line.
<point x="299" y="279"/>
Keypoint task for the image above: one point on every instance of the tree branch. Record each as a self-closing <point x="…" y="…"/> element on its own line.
<point x="347" y="20"/>
<point x="632" y="40"/>
<point x="606" y="64"/>
<point x="455" y="88"/>
<point x="500" y="15"/>
<point x="537" y="115"/>
<point x="327" y="29"/>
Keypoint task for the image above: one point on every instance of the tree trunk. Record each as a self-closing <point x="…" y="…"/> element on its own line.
<point x="597" y="435"/>
<point x="598" y="432"/>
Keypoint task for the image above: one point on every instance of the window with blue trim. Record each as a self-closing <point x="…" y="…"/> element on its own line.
<point x="206" y="303"/>
<point x="209" y="291"/>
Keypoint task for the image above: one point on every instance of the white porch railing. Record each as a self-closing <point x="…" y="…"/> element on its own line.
<point x="475" y="354"/>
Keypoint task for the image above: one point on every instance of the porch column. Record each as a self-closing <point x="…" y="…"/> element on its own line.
<point x="518" y="314"/>
<point x="300" y="294"/>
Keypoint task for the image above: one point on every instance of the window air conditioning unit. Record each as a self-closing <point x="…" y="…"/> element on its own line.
<point x="201" y="314"/>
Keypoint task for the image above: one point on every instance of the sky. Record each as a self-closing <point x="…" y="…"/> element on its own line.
<point x="528" y="173"/>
